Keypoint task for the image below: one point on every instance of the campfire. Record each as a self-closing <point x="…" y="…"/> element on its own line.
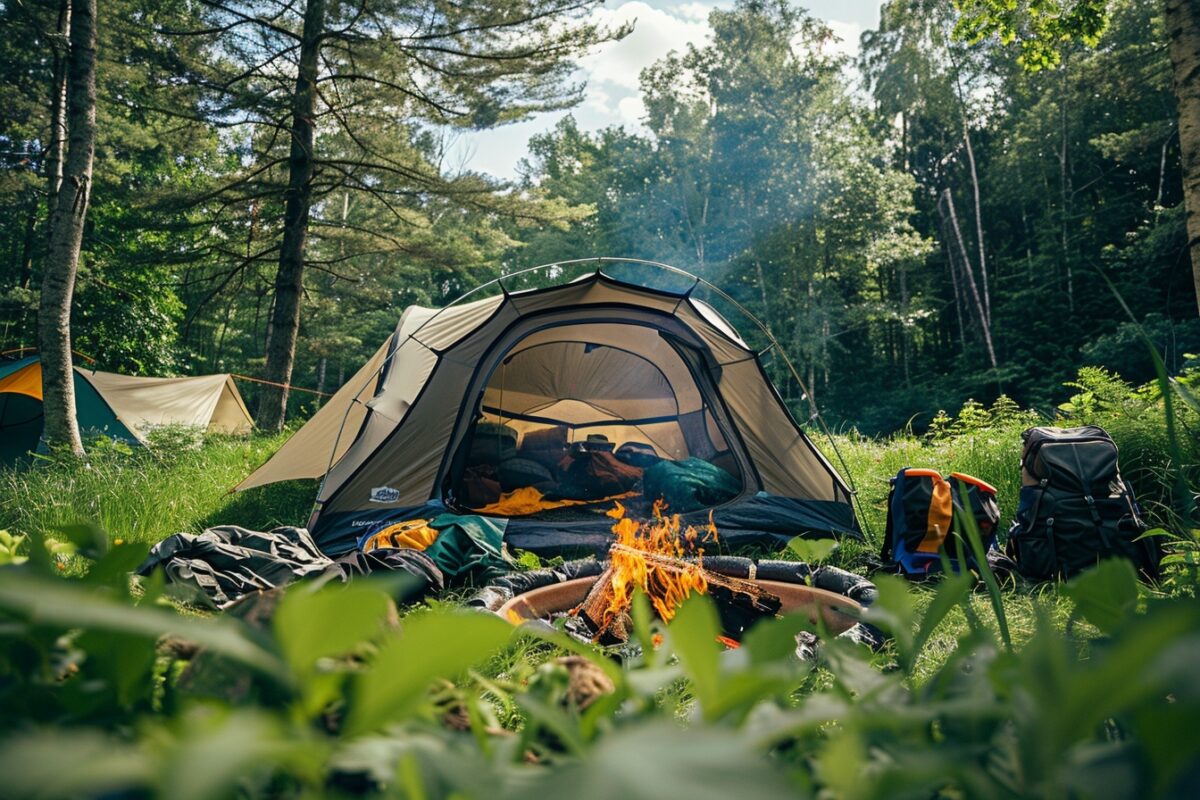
<point x="666" y="561"/>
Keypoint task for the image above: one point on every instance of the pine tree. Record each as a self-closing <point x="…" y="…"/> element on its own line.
<point x="325" y="82"/>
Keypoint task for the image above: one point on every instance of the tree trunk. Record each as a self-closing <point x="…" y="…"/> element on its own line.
<point x="958" y="300"/>
<point x="983" y="272"/>
<point x="952" y="218"/>
<point x="56" y="150"/>
<point x="66" y="234"/>
<point x="1183" y="34"/>
<point x="289" y="281"/>
<point x="1064" y="185"/>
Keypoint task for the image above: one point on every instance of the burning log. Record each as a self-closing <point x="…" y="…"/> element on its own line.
<point x="594" y="608"/>
<point x="653" y="557"/>
<point x="603" y="625"/>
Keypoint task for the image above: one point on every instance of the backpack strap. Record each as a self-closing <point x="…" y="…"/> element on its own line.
<point x="1095" y="512"/>
<point x="1033" y="516"/>
<point x="887" y="552"/>
<point x="1091" y="503"/>
<point x="1037" y="503"/>
<point x="1052" y="548"/>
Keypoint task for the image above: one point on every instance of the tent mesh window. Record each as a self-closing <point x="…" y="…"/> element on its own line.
<point x="567" y="426"/>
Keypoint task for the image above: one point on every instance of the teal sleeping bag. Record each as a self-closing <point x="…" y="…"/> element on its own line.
<point x="689" y="485"/>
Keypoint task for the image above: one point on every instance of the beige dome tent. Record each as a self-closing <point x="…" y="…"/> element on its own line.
<point x="209" y="402"/>
<point x="507" y="389"/>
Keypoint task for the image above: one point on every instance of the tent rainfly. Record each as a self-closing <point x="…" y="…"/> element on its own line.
<point x="511" y="388"/>
<point x="121" y="406"/>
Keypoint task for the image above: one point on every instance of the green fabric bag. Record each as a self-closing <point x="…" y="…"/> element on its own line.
<point x="689" y="485"/>
<point x="469" y="546"/>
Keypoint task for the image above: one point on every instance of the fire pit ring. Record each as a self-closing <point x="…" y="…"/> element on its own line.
<point x="835" y="594"/>
<point x="838" y="611"/>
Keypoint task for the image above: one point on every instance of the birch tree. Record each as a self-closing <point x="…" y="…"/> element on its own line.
<point x="66" y="232"/>
<point x="1040" y="33"/>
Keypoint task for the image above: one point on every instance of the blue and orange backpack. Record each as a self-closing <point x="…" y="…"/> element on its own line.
<point x="927" y="517"/>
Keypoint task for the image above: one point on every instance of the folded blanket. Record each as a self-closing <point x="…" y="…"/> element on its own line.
<point x="227" y="562"/>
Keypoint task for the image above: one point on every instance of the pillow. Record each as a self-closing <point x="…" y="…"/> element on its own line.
<point x="638" y="454"/>
<point x="516" y="473"/>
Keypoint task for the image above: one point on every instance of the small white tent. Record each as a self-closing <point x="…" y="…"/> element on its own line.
<point x="210" y="402"/>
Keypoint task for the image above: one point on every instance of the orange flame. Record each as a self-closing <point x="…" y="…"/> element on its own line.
<point x="650" y="556"/>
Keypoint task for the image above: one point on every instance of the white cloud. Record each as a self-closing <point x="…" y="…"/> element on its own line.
<point x="631" y="110"/>
<point x="846" y="37"/>
<point x="655" y="34"/>
<point x="598" y="100"/>
<point x="696" y="12"/>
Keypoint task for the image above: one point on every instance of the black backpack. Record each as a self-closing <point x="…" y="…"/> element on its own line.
<point x="927" y="517"/>
<point x="1075" y="509"/>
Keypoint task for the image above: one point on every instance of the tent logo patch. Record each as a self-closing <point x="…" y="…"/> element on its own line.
<point x="384" y="494"/>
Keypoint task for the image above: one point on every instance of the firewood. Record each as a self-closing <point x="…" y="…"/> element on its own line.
<point x="595" y="606"/>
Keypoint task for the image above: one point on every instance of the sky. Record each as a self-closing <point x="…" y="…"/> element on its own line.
<point x="611" y="71"/>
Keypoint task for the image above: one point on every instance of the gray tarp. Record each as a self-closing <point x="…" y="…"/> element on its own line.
<point x="228" y="562"/>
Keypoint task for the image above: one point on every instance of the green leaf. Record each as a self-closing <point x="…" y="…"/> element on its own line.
<point x="894" y="611"/>
<point x="89" y="540"/>
<point x="553" y="718"/>
<point x="812" y="551"/>
<point x="693" y="633"/>
<point x="951" y="592"/>
<point x="975" y="540"/>
<point x="329" y="622"/>
<point x="1105" y="594"/>
<point x="314" y="625"/>
<point x="1150" y="658"/>
<point x="40" y="557"/>
<point x="54" y="602"/>
<point x="659" y="759"/>
<point x="430" y="645"/>
<point x="774" y="640"/>
<point x="114" y="567"/>
<point x="71" y="763"/>
<point x="643" y="632"/>
<point x="123" y="663"/>
<point x="10" y="548"/>
<point x="216" y="749"/>
<point x="842" y="766"/>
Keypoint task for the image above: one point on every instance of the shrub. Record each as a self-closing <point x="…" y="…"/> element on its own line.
<point x="332" y="698"/>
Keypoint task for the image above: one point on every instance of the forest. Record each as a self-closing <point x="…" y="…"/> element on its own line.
<point x="930" y="222"/>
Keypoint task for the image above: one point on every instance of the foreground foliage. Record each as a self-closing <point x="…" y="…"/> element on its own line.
<point x="335" y="696"/>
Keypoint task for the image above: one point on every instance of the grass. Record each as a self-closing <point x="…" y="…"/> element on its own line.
<point x="145" y="495"/>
